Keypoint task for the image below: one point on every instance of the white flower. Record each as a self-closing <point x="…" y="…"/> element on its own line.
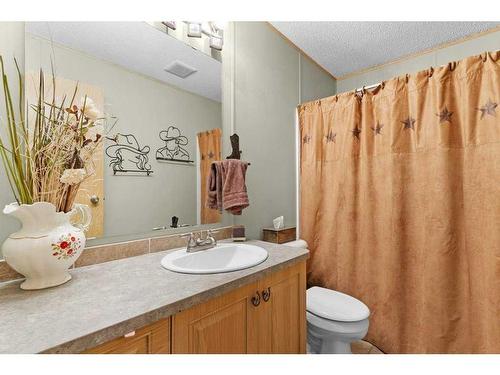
<point x="94" y="131"/>
<point x="89" y="108"/>
<point x="73" y="176"/>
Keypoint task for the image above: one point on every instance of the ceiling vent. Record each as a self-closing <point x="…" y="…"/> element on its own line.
<point x="180" y="69"/>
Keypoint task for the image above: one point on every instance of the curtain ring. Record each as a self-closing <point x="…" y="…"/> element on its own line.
<point x="485" y="57"/>
<point x="382" y="84"/>
<point x="407" y="78"/>
<point x="452" y="65"/>
<point x="336" y="98"/>
<point x="430" y="72"/>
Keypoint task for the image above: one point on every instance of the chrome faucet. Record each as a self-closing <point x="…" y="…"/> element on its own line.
<point x="197" y="244"/>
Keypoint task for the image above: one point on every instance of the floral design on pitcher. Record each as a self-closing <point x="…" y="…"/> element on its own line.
<point x="67" y="246"/>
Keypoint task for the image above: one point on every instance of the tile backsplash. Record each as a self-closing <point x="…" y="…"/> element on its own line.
<point x="114" y="251"/>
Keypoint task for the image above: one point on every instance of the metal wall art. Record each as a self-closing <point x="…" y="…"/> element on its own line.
<point x="127" y="155"/>
<point x="173" y="150"/>
<point x="235" y="145"/>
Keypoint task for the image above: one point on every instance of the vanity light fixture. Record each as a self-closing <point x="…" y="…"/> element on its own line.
<point x="214" y="30"/>
<point x="216" y="37"/>
<point x="170" y="24"/>
<point x="194" y="29"/>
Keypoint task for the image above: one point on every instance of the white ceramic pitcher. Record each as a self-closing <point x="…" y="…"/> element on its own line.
<point x="47" y="244"/>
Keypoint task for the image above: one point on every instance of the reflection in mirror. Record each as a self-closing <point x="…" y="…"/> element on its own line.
<point x="166" y="97"/>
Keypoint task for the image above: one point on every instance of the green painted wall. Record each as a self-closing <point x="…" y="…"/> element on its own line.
<point x="488" y="42"/>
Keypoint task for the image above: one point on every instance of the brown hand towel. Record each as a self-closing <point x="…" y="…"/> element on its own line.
<point x="226" y="186"/>
<point x="234" y="191"/>
<point x="214" y="199"/>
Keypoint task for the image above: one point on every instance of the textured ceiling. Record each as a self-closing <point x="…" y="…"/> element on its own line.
<point x="139" y="47"/>
<point x="347" y="47"/>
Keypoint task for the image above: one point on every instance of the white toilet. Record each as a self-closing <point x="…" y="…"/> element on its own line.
<point x="334" y="320"/>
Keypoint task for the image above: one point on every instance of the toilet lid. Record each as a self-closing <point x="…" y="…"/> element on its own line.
<point x="332" y="305"/>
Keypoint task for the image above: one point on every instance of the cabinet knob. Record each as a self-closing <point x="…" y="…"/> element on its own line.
<point x="256" y="299"/>
<point x="94" y="199"/>
<point x="266" y="294"/>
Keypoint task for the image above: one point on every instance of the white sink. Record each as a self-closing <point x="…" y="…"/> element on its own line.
<point x="222" y="258"/>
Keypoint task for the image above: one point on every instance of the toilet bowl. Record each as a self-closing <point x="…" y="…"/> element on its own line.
<point x="334" y="321"/>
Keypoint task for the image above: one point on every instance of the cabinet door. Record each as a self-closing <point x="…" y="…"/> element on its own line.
<point x="282" y="319"/>
<point x="152" y="339"/>
<point x="221" y="325"/>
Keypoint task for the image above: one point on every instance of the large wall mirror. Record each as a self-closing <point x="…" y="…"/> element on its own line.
<point x="165" y="94"/>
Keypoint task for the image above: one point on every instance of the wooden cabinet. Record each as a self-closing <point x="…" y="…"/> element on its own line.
<point x="220" y="325"/>
<point x="152" y="339"/>
<point x="268" y="316"/>
<point x="263" y="317"/>
<point x="282" y="320"/>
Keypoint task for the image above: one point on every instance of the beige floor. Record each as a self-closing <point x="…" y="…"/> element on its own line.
<point x="364" y="347"/>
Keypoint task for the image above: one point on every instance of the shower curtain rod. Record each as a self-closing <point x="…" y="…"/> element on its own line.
<point x="376" y="84"/>
<point x="368" y="87"/>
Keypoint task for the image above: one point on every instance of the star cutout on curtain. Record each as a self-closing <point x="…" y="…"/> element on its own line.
<point x="444" y="115"/>
<point x="330" y="137"/>
<point x="409" y="123"/>
<point x="488" y="109"/>
<point x="378" y="129"/>
<point x="355" y="132"/>
<point x="306" y="139"/>
<point x="211" y="155"/>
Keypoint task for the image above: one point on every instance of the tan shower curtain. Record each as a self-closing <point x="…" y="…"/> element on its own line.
<point x="400" y="205"/>
<point x="209" y="143"/>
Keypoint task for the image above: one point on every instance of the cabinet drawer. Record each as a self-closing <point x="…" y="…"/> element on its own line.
<point x="152" y="339"/>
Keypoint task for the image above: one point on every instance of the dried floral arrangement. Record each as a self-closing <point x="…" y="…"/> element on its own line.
<point x="48" y="158"/>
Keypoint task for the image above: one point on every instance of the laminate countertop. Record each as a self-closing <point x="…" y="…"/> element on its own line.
<point x="107" y="300"/>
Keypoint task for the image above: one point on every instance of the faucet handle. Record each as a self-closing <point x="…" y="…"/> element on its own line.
<point x="190" y="237"/>
<point x="211" y="232"/>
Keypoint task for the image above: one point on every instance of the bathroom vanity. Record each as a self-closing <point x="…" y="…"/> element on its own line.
<point x="255" y="318"/>
<point x="120" y="298"/>
<point x="134" y="305"/>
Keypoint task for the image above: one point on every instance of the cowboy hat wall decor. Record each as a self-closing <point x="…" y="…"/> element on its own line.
<point x="126" y="155"/>
<point x="173" y="149"/>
